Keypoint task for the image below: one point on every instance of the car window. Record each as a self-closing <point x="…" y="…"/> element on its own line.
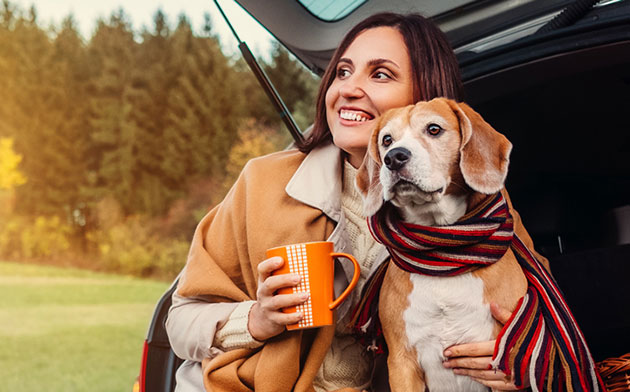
<point x="331" y="10"/>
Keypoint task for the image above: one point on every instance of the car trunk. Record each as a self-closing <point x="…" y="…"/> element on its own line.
<point x="564" y="104"/>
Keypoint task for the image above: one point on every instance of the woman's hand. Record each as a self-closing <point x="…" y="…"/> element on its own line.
<point x="266" y="318"/>
<point x="473" y="359"/>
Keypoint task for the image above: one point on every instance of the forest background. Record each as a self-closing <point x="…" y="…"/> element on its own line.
<point x="113" y="147"/>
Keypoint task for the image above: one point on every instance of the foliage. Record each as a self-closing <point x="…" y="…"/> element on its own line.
<point x="254" y="140"/>
<point x="10" y="175"/>
<point x="296" y="85"/>
<point x="156" y="123"/>
<point x="35" y="238"/>
<point x="133" y="247"/>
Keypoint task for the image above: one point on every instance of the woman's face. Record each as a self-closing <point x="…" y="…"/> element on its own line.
<point x="372" y="76"/>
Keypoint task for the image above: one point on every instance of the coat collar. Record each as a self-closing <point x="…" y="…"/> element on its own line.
<point x="317" y="182"/>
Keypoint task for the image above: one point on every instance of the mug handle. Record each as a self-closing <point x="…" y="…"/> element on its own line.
<point x="353" y="282"/>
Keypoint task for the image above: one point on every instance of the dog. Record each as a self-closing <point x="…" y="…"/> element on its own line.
<point x="432" y="161"/>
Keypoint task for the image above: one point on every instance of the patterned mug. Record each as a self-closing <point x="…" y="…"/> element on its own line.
<point x="313" y="261"/>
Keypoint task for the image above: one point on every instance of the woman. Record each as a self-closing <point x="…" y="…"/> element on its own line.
<point x="225" y="313"/>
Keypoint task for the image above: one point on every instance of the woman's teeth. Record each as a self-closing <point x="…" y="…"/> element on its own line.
<point x="352" y="116"/>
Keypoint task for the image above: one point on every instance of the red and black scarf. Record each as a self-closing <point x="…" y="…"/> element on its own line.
<point x="541" y="339"/>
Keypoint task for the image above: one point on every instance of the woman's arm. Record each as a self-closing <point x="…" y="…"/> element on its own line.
<point x="195" y="326"/>
<point x="192" y="324"/>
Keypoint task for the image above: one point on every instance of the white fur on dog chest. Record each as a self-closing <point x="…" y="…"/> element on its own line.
<point x="445" y="311"/>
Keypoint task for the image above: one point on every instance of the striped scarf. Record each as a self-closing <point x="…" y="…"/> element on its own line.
<point x="541" y="339"/>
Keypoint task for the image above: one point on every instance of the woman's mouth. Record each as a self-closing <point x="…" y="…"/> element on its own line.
<point x="354" y="115"/>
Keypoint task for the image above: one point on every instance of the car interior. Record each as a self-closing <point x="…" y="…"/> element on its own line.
<point x="569" y="177"/>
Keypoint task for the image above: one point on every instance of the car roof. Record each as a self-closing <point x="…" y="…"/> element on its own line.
<point x="469" y="24"/>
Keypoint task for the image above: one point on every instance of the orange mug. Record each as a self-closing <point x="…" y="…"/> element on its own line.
<point x="314" y="262"/>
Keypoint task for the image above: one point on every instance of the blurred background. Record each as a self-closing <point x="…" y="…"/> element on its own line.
<point x="115" y="139"/>
<point x="113" y="146"/>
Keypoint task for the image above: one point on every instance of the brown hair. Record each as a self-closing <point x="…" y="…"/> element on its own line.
<point x="434" y="68"/>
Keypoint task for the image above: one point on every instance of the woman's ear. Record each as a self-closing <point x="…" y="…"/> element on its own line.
<point x="367" y="181"/>
<point x="484" y="153"/>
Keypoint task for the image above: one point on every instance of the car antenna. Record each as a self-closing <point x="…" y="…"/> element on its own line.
<point x="266" y="84"/>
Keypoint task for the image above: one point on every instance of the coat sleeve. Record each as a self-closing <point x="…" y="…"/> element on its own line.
<point x="192" y="324"/>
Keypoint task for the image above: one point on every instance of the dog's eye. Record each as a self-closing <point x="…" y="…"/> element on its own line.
<point x="434" y="129"/>
<point x="387" y="140"/>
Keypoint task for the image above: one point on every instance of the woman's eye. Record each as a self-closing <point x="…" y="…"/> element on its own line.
<point x="387" y="140"/>
<point x="434" y="129"/>
<point x="382" y="75"/>
<point x="342" y="72"/>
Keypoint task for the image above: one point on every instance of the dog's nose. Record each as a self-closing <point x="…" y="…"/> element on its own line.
<point x="397" y="158"/>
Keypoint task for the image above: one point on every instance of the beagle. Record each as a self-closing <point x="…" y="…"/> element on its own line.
<point x="432" y="161"/>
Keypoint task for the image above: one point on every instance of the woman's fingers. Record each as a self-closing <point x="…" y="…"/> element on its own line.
<point x="500" y="313"/>
<point x="489" y="375"/>
<point x="266" y="267"/>
<point x="285" y="319"/>
<point x="276" y="282"/>
<point x="479" y="349"/>
<point x="497" y="385"/>
<point x="482" y="363"/>
<point x="281" y="301"/>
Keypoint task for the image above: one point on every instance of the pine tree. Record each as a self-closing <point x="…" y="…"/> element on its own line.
<point x="151" y="79"/>
<point x="296" y="85"/>
<point x="72" y="142"/>
<point x="8" y="66"/>
<point x="114" y="142"/>
<point x="33" y="120"/>
<point x="205" y="109"/>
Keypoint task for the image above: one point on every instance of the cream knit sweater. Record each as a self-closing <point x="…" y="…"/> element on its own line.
<point x="347" y="363"/>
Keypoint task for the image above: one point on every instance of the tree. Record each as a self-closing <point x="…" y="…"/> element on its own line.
<point x="7" y="68"/>
<point x="152" y="78"/>
<point x="205" y="109"/>
<point x="112" y="158"/>
<point x="35" y="97"/>
<point x="10" y="174"/>
<point x="296" y="85"/>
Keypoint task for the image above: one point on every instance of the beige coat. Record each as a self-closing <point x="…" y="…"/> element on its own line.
<point x="282" y="198"/>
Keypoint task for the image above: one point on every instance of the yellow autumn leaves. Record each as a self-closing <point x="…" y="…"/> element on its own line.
<point x="10" y="174"/>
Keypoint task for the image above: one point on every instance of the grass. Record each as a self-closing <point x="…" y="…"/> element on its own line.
<point x="71" y="330"/>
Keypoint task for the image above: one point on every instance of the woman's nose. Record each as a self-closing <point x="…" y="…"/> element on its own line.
<point x="351" y="88"/>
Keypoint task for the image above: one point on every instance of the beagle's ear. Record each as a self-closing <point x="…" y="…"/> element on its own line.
<point x="367" y="181"/>
<point x="484" y="153"/>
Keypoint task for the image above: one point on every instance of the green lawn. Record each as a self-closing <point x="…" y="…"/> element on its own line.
<point x="71" y="330"/>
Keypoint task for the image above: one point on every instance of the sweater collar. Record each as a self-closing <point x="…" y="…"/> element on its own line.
<point x="351" y="199"/>
<point x="317" y="181"/>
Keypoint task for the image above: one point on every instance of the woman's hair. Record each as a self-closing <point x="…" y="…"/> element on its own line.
<point x="434" y="68"/>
